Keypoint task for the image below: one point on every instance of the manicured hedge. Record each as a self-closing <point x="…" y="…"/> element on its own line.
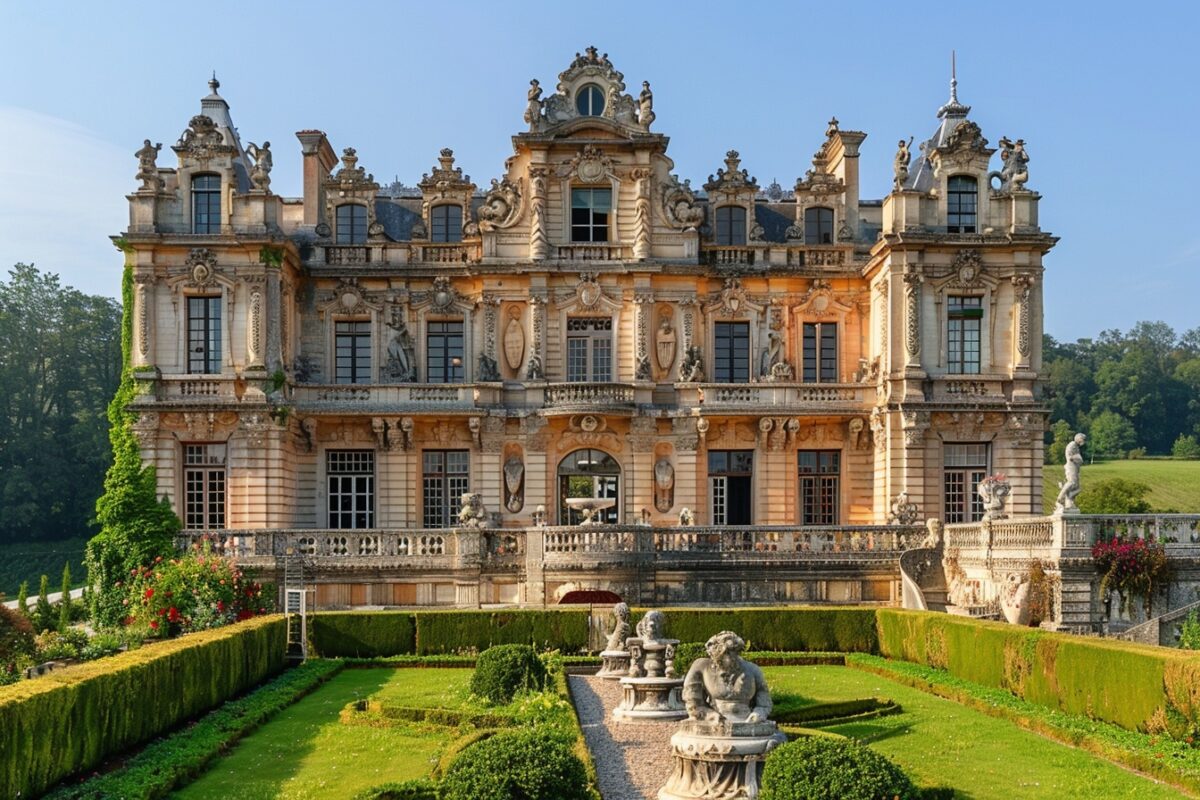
<point x="1117" y="682"/>
<point x="843" y="630"/>
<point x="362" y="634"/>
<point x="459" y="631"/>
<point x="70" y="720"/>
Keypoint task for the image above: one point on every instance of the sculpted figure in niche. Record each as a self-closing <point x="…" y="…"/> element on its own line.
<point x="664" y="485"/>
<point x="1069" y="488"/>
<point x="533" y="371"/>
<point x="147" y="168"/>
<point x="725" y="687"/>
<point x="621" y="629"/>
<point x="691" y="369"/>
<point x="900" y="164"/>
<point x="489" y="371"/>
<point x="514" y="476"/>
<point x="402" y="354"/>
<point x="772" y="354"/>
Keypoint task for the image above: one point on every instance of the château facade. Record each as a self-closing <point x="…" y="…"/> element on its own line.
<point x="767" y="391"/>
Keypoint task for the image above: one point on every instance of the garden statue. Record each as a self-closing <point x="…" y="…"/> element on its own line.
<point x="1069" y="489"/>
<point x="994" y="491"/>
<point x="719" y="751"/>
<point x="650" y="690"/>
<point x="615" y="658"/>
<point x="901" y="162"/>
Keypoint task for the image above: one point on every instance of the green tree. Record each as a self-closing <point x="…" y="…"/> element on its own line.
<point x="43" y="612"/>
<point x="1056" y="451"/>
<point x="64" y="603"/>
<point x="23" y="599"/>
<point x="1114" y="496"/>
<point x="135" y="525"/>
<point x="1186" y="447"/>
<point x="1111" y="435"/>
<point x="1189" y="632"/>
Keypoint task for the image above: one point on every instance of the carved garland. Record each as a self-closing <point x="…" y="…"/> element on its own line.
<point x="539" y="242"/>
<point x="641" y="215"/>
<point x="254" y="343"/>
<point x="912" y="314"/>
<point x="1023" y="284"/>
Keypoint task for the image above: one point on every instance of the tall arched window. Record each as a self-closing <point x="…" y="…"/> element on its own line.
<point x="206" y="203"/>
<point x="590" y="100"/>
<point x="818" y="225"/>
<point x="731" y="225"/>
<point x="588" y="473"/>
<point x="351" y="224"/>
<point x="961" y="198"/>
<point x="446" y="223"/>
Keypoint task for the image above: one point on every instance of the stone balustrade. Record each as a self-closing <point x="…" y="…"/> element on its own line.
<point x="589" y="396"/>
<point x="798" y="397"/>
<point x="198" y="389"/>
<point x="593" y="252"/>
<point x="383" y="398"/>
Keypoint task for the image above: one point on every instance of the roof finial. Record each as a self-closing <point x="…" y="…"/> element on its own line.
<point x="214" y="84"/>
<point x="953" y="108"/>
<point x="953" y="79"/>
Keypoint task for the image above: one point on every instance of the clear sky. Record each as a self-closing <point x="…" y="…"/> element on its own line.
<point x="1106" y="95"/>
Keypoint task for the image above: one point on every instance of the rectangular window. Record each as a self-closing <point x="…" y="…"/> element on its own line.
<point x="444" y="352"/>
<point x="590" y="210"/>
<point x="731" y="225"/>
<point x="729" y="476"/>
<point x="352" y="356"/>
<point x="589" y="349"/>
<point x="445" y="480"/>
<point x="204" y="335"/>
<point x="819" y="475"/>
<point x="204" y="486"/>
<point x="206" y="204"/>
<point x="964" y="466"/>
<point x="961" y="199"/>
<point x="446" y="222"/>
<point x="351" y="477"/>
<point x="351" y="221"/>
<point x="964" y="323"/>
<point x="820" y="352"/>
<point x="731" y="352"/>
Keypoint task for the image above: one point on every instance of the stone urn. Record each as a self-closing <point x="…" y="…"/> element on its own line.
<point x="1014" y="599"/>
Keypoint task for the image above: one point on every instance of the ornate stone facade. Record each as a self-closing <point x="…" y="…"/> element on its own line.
<point x="341" y="368"/>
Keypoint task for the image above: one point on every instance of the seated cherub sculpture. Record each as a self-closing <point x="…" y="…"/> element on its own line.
<point x="650" y="628"/>
<point x="620" y="632"/>
<point x="725" y="687"/>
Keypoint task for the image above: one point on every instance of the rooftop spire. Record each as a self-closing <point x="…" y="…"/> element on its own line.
<point x="953" y="108"/>
<point x="214" y="84"/>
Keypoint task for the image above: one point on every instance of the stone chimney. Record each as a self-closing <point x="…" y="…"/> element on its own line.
<point x="319" y="159"/>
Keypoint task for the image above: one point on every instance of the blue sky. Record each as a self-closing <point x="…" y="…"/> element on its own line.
<point x="1105" y="96"/>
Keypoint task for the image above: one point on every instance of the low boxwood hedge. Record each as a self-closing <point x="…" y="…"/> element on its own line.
<point x="462" y="631"/>
<point x="71" y="719"/>
<point x="842" y="630"/>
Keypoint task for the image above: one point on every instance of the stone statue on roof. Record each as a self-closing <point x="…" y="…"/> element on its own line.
<point x="901" y="162"/>
<point x="147" y="167"/>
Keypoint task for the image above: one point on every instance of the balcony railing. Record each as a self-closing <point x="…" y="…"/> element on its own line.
<point x="589" y="396"/>
<point x="447" y="253"/>
<point x="342" y="255"/>
<point x="390" y="397"/>
<point x="593" y="252"/>
<point x="196" y="388"/>
<point x="1072" y="535"/>
<point x="783" y="395"/>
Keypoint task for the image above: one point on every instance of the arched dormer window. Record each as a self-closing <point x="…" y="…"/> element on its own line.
<point x="962" y="196"/>
<point x="818" y="225"/>
<point x="731" y="225"/>
<point x="589" y="100"/>
<point x="206" y="203"/>
<point x="351" y="224"/>
<point x="445" y="223"/>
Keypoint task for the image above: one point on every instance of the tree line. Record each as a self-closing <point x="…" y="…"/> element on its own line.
<point x="1135" y="393"/>
<point x="60" y="362"/>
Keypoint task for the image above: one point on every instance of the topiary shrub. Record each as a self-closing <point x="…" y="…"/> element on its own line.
<point x="530" y="764"/>
<point x="406" y="790"/>
<point x="504" y="670"/>
<point x="819" y="767"/>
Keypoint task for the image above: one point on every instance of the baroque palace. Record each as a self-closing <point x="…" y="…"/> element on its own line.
<point x="588" y="376"/>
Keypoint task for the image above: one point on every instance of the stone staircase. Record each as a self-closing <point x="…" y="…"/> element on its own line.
<point x="1160" y="630"/>
<point x="923" y="580"/>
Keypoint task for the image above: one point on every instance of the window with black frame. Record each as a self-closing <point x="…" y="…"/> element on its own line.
<point x="445" y="478"/>
<point x="818" y="225"/>
<point x="589" y="100"/>
<point x="446" y="223"/>
<point x="206" y="204"/>
<point x="350" y="476"/>
<point x="962" y="197"/>
<point x="351" y="224"/>
<point x="964" y="327"/>
<point x="729" y="486"/>
<point x="963" y="467"/>
<point x="819" y="477"/>
<point x="444" y="351"/>
<point x="731" y="352"/>
<point x="204" y="486"/>
<point x="731" y="225"/>
<point x="589" y="349"/>
<point x="204" y="335"/>
<point x="819" y="352"/>
<point x="352" y="351"/>
<point x="590" y="213"/>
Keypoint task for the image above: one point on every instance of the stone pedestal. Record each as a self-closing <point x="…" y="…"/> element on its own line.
<point x="614" y="664"/>
<point x="650" y="700"/>
<point x="719" y="760"/>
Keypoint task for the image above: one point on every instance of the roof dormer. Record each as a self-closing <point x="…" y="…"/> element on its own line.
<point x="590" y="94"/>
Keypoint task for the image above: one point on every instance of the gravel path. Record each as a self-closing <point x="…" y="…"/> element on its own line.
<point x="632" y="759"/>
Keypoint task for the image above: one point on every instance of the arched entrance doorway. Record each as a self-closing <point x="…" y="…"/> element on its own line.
<point x="588" y="473"/>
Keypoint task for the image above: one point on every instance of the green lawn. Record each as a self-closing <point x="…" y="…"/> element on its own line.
<point x="941" y="743"/>
<point x="305" y="753"/>
<point x="1174" y="485"/>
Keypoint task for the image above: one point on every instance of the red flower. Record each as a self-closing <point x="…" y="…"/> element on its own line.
<point x="154" y="624"/>
<point x="173" y="614"/>
<point x="221" y="606"/>
<point x="149" y="593"/>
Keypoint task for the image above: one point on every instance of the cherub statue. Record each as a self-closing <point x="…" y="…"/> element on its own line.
<point x="620" y="631"/>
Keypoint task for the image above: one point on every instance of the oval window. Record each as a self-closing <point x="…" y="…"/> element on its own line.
<point x="590" y="100"/>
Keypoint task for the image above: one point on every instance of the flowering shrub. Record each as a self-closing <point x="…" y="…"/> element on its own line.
<point x="1134" y="567"/>
<point x="191" y="593"/>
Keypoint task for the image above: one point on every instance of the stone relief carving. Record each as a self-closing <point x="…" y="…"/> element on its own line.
<point x="202" y="264"/>
<point x="148" y="168"/>
<point x="858" y="433"/>
<point x="914" y="424"/>
<point x="254" y="332"/>
<point x="590" y="165"/>
<point x="878" y="429"/>
<point x="664" y="485"/>
<point x="514" y="340"/>
<point x="733" y="296"/>
<point x="642" y="306"/>
<point x="588" y="290"/>
<point x="203" y="141"/>
<point x="679" y="206"/>
<point x="966" y="137"/>
<point x="1023" y="287"/>
<point x="900" y="163"/>
<point x="732" y="180"/>
<point x="472" y="515"/>
<point x="514" y="484"/>
<point x="142" y="301"/>
<point x="402" y="354"/>
<point x="664" y="344"/>
<point x="691" y="368"/>
<point x="379" y="431"/>
<point x="502" y="205"/>
<point x="260" y="175"/>
<point x="308" y="432"/>
<point x="1014" y="170"/>
<point x="1069" y="488"/>
<point x="560" y="107"/>
<point x="539" y="242"/>
<point x="902" y="511"/>
<point x="641" y="215"/>
<point x="912" y="313"/>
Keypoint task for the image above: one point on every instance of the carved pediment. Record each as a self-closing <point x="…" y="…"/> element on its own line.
<point x="443" y="298"/>
<point x="348" y="298"/>
<point x="732" y="300"/>
<point x="591" y="165"/>
<point x="966" y="273"/>
<point x="732" y="181"/>
<point x="202" y="267"/>
<point x="591" y="89"/>
<point x="203" y="140"/>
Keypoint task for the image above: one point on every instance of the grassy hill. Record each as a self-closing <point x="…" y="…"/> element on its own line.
<point x="1174" y="485"/>
<point x="28" y="561"/>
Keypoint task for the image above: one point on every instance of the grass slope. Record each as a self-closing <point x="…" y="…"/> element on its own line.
<point x="304" y="753"/>
<point x="28" y="561"/>
<point x="1174" y="485"/>
<point x="941" y="743"/>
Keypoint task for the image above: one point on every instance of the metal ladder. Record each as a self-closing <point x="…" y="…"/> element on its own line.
<point x="295" y="605"/>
